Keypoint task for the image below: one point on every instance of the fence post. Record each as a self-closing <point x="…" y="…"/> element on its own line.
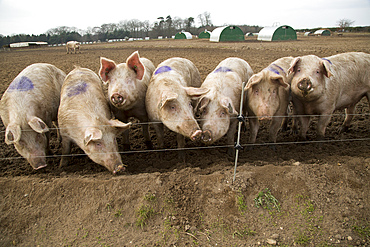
<point x="241" y="119"/>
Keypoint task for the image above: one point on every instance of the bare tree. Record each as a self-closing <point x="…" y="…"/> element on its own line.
<point x="205" y="19"/>
<point x="344" y="23"/>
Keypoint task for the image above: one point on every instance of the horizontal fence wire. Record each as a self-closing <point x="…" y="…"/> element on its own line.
<point x="207" y="147"/>
<point x="213" y="119"/>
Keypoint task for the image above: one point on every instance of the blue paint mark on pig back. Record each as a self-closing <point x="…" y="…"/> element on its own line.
<point x="222" y="69"/>
<point x="77" y="89"/>
<point x="273" y="70"/>
<point x="326" y="60"/>
<point x="162" y="70"/>
<point x="21" y="84"/>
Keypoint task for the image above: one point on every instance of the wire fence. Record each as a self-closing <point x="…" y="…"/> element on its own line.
<point x="207" y="147"/>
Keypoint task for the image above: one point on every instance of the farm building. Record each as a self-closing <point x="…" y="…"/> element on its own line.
<point x="308" y="34"/>
<point x="276" y="33"/>
<point x="183" y="35"/>
<point x="205" y="34"/>
<point x="228" y="33"/>
<point x="27" y="44"/>
<point x="322" y="32"/>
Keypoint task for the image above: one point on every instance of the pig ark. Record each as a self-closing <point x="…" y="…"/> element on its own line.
<point x="84" y="118"/>
<point x="217" y="108"/>
<point x="322" y="85"/>
<point x="28" y="107"/>
<point x="127" y="86"/>
<point x="169" y="97"/>
<point x="268" y="96"/>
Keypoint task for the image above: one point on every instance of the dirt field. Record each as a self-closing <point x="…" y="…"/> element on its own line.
<point x="322" y="190"/>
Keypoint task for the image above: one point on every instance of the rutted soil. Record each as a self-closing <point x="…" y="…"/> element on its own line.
<point x="323" y="189"/>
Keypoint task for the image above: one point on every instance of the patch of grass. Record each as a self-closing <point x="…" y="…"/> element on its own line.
<point x="242" y="205"/>
<point x="243" y="233"/>
<point x="144" y="213"/>
<point x="362" y="231"/>
<point x="266" y="200"/>
<point x="118" y="213"/>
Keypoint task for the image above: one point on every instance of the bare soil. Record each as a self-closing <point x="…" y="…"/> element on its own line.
<point x="322" y="189"/>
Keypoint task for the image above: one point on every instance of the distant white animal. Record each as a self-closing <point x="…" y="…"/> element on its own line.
<point x="73" y="46"/>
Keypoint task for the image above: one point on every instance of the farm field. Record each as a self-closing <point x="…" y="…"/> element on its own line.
<point x="321" y="191"/>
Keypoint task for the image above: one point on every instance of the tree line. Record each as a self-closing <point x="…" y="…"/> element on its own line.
<point x="164" y="26"/>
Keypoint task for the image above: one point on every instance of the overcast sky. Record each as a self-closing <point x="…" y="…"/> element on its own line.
<point x="38" y="16"/>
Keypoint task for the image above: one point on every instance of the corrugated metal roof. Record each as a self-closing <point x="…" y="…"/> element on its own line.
<point x="26" y="44"/>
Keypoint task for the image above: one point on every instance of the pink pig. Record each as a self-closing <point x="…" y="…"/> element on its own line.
<point x="127" y="86"/>
<point x="28" y="107"/>
<point x="323" y="85"/>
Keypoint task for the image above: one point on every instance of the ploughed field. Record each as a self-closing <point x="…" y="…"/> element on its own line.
<point x="319" y="193"/>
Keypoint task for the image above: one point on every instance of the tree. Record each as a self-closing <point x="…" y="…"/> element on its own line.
<point x="189" y="23"/>
<point x="205" y="19"/>
<point x="344" y="23"/>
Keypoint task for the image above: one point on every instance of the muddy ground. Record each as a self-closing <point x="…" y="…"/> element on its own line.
<point x="321" y="191"/>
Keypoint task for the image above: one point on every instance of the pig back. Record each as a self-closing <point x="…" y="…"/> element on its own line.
<point x="34" y="92"/>
<point x="82" y="98"/>
<point x="237" y="65"/>
<point x="185" y="68"/>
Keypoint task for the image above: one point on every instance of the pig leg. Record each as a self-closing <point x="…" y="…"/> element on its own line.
<point x="158" y="127"/>
<point x="230" y="137"/>
<point x="347" y="121"/>
<point x="181" y="145"/>
<point x="321" y="125"/>
<point x="254" y="126"/>
<point x="274" y="127"/>
<point x="305" y="123"/>
<point x="66" y="150"/>
<point x="145" y="129"/>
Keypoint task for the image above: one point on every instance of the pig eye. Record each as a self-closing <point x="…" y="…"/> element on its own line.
<point x="317" y="71"/>
<point x="98" y="144"/>
<point x="299" y="70"/>
<point x="256" y="91"/>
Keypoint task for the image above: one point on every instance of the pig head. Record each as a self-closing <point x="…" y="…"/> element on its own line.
<point x="125" y="87"/>
<point x="309" y="81"/>
<point x="265" y="92"/>
<point x="31" y="142"/>
<point x="175" y="110"/>
<point x="100" y="144"/>
<point x="215" y="112"/>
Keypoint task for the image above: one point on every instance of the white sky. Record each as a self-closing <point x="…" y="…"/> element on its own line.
<point x="38" y="16"/>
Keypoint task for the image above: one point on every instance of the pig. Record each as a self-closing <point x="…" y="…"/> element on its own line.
<point x="73" y="46"/>
<point x="268" y="97"/>
<point x="173" y="85"/>
<point x="322" y="85"/>
<point x="84" y="118"/>
<point x="217" y="108"/>
<point x="127" y="85"/>
<point x="28" y="107"/>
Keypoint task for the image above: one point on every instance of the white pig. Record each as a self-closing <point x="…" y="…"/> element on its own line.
<point x="28" y="107"/>
<point x="73" y="46"/>
<point x="169" y="97"/>
<point x="127" y="85"/>
<point x="217" y="108"/>
<point x="322" y="85"/>
<point x="267" y="97"/>
<point x="84" y="118"/>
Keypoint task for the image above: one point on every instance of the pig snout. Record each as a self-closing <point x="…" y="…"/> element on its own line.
<point x="117" y="99"/>
<point x="196" y="135"/>
<point x="119" y="168"/>
<point x="37" y="163"/>
<point x="305" y="85"/>
<point x="207" y="136"/>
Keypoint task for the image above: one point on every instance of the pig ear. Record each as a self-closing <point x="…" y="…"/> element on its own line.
<point x="203" y="102"/>
<point x="255" y="79"/>
<point x="106" y="66"/>
<point x="133" y="62"/>
<point x="167" y="96"/>
<point x="279" y="80"/>
<point x="38" y="125"/>
<point x="229" y="106"/>
<point x="326" y="68"/>
<point x="12" y="134"/>
<point x="293" y="65"/>
<point x="92" y="134"/>
<point x="195" y="92"/>
<point x="118" y="124"/>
